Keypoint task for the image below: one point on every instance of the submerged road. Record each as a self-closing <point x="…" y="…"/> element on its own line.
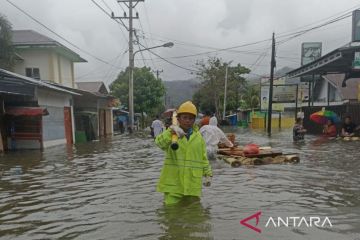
<point x="106" y="190"/>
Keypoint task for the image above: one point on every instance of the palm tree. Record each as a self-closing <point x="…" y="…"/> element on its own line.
<point x="7" y="52"/>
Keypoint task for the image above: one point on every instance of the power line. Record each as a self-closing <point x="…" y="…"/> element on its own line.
<point x="58" y="35"/>
<point x="290" y="34"/>
<point x="116" y="20"/>
<point x="324" y="19"/>
<point x="111" y="70"/>
<point x="106" y="5"/>
<point x="299" y="33"/>
<point x="145" y="42"/>
<point x="138" y="41"/>
<point x="151" y="58"/>
<point x="174" y="64"/>
<point x="97" y="69"/>
<point x="203" y="53"/>
<point x="148" y="21"/>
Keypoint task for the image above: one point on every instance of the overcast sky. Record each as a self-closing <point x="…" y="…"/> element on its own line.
<point x="195" y="26"/>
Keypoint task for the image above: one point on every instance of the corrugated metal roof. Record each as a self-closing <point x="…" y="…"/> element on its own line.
<point x="94" y="87"/>
<point x="32" y="81"/>
<point x="84" y="92"/>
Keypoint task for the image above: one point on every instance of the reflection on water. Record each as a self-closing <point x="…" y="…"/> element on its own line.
<point x="106" y="190"/>
<point x="187" y="220"/>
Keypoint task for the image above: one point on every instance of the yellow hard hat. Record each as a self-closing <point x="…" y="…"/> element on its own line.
<point x="187" y="107"/>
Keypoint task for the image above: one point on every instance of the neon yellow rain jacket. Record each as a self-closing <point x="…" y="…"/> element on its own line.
<point x="183" y="168"/>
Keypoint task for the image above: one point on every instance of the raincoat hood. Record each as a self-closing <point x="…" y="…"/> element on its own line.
<point x="213" y="121"/>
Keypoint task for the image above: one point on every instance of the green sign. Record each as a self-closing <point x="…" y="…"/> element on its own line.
<point x="356" y="62"/>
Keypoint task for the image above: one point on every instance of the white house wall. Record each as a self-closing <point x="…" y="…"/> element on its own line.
<point x="323" y="94"/>
<point x="53" y="124"/>
<point x="53" y="66"/>
<point x="67" y="78"/>
<point x="34" y="59"/>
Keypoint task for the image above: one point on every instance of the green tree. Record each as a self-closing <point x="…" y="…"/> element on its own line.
<point x="148" y="91"/>
<point x="210" y="96"/>
<point x="7" y="52"/>
<point x="250" y="97"/>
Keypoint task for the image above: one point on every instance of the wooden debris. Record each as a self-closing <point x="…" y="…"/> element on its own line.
<point x="236" y="158"/>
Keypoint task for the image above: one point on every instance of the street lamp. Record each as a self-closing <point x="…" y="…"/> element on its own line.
<point x="131" y="81"/>
<point x="226" y="79"/>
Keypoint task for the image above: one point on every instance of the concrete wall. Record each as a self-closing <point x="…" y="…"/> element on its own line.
<point x="109" y="122"/>
<point x="103" y="104"/>
<point x="67" y="77"/>
<point x="34" y="59"/>
<point x="53" y="66"/>
<point x="334" y="94"/>
<point x="53" y="124"/>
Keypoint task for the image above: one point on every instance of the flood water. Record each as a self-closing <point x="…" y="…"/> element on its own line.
<point x="106" y="190"/>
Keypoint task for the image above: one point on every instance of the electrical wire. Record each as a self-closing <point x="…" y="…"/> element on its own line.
<point x="119" y="21"/>
<point x="58" y="35"/>
<point x="174" y="64"/>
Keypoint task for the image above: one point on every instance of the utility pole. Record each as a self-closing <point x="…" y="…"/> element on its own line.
<point x="273" y="64"/>
<point x="157" y="72"/>
<point x="225" y="90"/>
<point x="131" y="4"/>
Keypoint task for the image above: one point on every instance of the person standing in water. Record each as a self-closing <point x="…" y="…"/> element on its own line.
<point x="213" y="136"/>
<point x="157" y="126"/>
<point x="298" y="130"/>
<point x="183" y="169"/>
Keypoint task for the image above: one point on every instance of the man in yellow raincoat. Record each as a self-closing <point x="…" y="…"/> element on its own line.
<point x="184" y="168"/>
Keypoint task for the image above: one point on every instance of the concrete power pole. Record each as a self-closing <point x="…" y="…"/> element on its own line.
<point x="157" y="72"/>
<point x="131" y="4"/>
<point x="273" y="63"/>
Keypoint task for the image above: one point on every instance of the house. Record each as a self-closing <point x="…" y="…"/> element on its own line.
<point x="42" y="60"/>
<point x="89" y="109"/>
<point x="99" y="102"/>
<point x="333" y="78"/>
<point x="94" y="87"/>
<point x="35" y="114"/>
<point x="41" y="57"/>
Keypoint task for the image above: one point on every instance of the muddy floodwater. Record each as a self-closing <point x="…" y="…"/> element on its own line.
<point x="106" y="190"/>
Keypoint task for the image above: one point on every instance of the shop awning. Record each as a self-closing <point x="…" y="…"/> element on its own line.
<point x="338" y="61"/>
<point x="26" y="111"/>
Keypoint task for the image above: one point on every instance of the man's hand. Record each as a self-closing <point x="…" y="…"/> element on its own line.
<point x="207" y="182"/>
<point x="177" y="130"/>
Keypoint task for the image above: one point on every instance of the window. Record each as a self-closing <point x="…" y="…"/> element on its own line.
<point x="33" y="73"/>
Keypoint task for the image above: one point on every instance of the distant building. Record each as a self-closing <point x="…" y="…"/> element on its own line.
<point x="95" y="99"/>
<point x="336" y="79"/>
<point x="94" y="87"/>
